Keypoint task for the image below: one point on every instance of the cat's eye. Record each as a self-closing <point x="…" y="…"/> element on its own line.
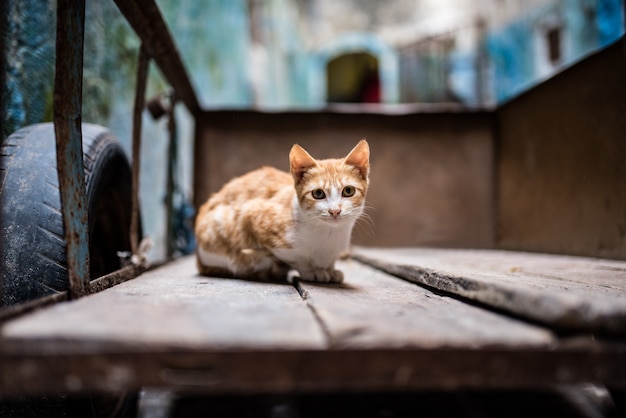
<point x="318" y="194"/>
<point x="348" y="191"/>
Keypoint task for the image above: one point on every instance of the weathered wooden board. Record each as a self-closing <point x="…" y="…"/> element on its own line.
<point x="173" y="307"/>
<point x="373" y="309"/>
<point x="172" y="328"/>
<point x="313" y="371"/>
<point x="570" y="293"/>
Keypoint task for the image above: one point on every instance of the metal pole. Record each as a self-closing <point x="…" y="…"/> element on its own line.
<point x="68" y="86"/>
<point x="172" y="159"/>
<point x="140" y="98"/>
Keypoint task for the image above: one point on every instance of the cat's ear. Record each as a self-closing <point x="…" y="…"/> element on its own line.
<point x="300" y="162"/>
<point x="359" y="157"/>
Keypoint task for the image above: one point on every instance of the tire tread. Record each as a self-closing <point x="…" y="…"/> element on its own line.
<point x="31" y="226"/>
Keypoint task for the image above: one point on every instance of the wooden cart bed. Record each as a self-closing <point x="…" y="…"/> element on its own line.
<point x="404" y="319"/>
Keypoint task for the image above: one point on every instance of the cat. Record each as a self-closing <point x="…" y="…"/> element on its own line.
<point x="268" y="223"/>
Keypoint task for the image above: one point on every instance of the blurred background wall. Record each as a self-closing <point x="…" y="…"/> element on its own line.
<point x="306" y="55"/>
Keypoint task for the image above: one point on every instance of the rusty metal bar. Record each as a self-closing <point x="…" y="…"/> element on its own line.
<point x="68" y="86"/>
<point x="146" y="19"/>
<point x="172" y="157"/>
<point x="140" y="98"/>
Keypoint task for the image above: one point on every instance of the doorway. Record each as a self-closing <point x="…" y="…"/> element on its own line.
<point x="353" y="78"/>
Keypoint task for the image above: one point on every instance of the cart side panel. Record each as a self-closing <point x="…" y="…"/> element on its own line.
<point x="561" y="159"/>
<point x="432" y="173"/>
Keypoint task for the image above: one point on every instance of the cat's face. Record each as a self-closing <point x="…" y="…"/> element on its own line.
<point x="331" y="191"/>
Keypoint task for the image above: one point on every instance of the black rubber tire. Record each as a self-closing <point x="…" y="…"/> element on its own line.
<point x="32" y="244"/>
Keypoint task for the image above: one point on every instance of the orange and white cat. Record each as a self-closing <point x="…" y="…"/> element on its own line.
<point x="267" y="222"/>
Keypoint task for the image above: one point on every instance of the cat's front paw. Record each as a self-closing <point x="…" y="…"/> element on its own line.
<point x="323" y="276"/>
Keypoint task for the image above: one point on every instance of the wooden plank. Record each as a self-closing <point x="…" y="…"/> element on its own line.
<point x="305" y="371"/>
<point x="172" y="308"/>
<point x="568" y="293"/>
<point x="374" y="310"/>
<point x="170" y="328"/>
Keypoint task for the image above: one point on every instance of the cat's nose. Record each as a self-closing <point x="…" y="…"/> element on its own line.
<point x="334" y="212"/>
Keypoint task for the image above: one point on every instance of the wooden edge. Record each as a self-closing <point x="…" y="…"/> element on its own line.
<point x="14" y="311"/>
<point x="311" y="371"/>
<point x="559" y="312"/>
<point x="97" y="285"/>
<point x="119" y="276"/>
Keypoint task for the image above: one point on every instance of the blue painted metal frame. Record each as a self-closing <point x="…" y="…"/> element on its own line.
<point x="158" y="46"/>
<point x="68" y="84"/>
<point x="143" y="63"/>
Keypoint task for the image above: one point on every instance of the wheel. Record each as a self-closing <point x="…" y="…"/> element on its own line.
<point x="32" y="244"/>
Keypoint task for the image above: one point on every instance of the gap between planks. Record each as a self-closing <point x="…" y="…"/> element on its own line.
<point x="297" y="283"/>
<point x="372" y="309"/>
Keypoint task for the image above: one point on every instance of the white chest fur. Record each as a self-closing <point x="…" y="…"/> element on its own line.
<point x="317" y="243"/>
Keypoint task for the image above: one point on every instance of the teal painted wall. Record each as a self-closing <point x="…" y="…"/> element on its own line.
<point x="514" y="50"/>
<point x="29" y="58"/>
<point x="237" y="60"/>
<point x="240" y="60"/>
<point x="213" y="38"/>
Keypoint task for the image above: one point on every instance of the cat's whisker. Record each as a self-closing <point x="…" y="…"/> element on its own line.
<point x="368" y="208"/>
<point x="366" y="217"/>
<point x="366" y="223"/>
